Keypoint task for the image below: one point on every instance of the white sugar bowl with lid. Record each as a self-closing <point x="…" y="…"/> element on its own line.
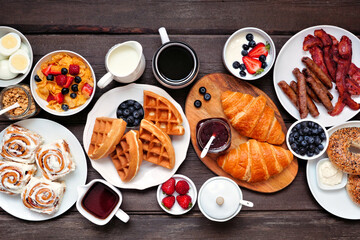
<point x="220" y="199"/>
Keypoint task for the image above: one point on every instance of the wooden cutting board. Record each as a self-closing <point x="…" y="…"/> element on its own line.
<point x="215" y="84"/>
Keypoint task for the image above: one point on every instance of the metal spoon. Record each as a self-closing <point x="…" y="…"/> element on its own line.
<point x="207" y="146"/>
<point x="15" y="105"/>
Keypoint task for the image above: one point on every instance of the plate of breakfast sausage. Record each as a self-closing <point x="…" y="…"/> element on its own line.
<point x="334" y="178"/>
<point x="317" y="75"/>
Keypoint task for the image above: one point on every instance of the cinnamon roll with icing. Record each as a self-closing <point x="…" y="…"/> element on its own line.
<point x="43" y="196"/>
<point x="20" y="144"/>
<point x="14" y="176"/>
<point x="55" y="160"/>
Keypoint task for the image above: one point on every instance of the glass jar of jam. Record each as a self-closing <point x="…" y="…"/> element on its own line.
<point x="218" y="126"/>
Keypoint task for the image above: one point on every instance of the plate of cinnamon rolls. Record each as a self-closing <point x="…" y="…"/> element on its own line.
<point x="41" y="165"/>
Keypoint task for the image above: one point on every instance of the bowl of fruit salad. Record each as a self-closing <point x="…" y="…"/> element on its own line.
<point x="249" y="53"/>
<point x="63" y="83"/>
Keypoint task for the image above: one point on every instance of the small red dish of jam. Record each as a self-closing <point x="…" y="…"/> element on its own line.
<point x="218" y="126"/>
<point x="100" y="200"/>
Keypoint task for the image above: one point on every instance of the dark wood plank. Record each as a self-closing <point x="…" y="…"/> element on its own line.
<point x="250" y="225"/>
<point x="180" y="17"/>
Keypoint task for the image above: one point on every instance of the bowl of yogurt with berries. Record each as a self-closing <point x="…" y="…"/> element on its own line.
<point x="249" y="53"/>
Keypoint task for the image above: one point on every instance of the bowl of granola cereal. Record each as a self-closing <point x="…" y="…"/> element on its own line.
<point x="63" y="83"/>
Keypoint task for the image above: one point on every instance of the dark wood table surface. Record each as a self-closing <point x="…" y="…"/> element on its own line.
<point x="92" y="27"/>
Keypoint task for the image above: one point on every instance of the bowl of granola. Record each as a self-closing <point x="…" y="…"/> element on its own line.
<point x="63" y="83"/>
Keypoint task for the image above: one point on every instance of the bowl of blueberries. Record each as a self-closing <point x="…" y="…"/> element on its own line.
<point x="131" y="112"/>
<point x="307" y="139"/>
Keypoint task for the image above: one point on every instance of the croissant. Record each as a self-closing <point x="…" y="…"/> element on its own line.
<point x="251" y="117"/>
<point x="255" y="161"/>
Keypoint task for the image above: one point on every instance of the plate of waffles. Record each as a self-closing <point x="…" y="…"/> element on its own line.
<point x="137" y="157"/>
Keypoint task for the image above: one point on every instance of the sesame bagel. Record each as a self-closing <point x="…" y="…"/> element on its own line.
<point x="339" y="153"/>
<point x="353" y="188"/>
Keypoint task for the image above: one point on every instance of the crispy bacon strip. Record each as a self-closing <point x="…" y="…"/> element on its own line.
<point x="339" y="106"/>
<point x="335" y="52"/>
<point x="334" y="40"/>
<point x="345" y="47"/>
<point x="318" y="57"/>
<point x="352" y="86"/>
<point x="325" y="38"/>
<point x="310" y="41"/>
<point x="354" y="73"/>
<point x="330" y="63"/>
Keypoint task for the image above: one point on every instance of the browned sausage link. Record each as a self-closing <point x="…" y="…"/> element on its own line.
<point x="311" y="94"/>
<point x="317" y="71"/>
<point x="301" y="85"/>
<point x="321" y="94"/>
<point x="289" y="93"/>
<point x="309" y="73"/>
<point x="310" y="104"/>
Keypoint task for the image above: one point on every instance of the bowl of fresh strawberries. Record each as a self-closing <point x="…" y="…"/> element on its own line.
<point x="177" y="195"/>
<point x="249" y="53"/>
<point x="63" y="83"/>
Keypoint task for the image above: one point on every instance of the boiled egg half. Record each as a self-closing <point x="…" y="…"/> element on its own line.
<point x="5" y="73"/>
<point x="19" y="62"/>
<point x="9" y="44"/>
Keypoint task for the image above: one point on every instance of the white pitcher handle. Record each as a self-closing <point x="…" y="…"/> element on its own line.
<point x="163" y="35"/>
<point x="122" y="216"/>
<point x="105" y="80"/>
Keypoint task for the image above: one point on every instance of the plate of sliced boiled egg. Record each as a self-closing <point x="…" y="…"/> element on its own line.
<point x="16" y="56"/>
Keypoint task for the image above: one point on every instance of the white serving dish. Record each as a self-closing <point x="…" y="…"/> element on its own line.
<point x="149" y="174"/>
<point x="41" y="102"/>
<point x="289" y="58"/>
<point x="50" y="131"/>
<point x="5" y="83"/>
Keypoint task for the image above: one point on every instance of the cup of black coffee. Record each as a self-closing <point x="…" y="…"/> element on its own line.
<point x="175" y="64"/>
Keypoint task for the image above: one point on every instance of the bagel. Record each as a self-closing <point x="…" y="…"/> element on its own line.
<point x="339" y="153"/>
<point x="353" y="188"/>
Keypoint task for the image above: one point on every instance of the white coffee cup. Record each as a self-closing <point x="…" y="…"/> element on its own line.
<point x="82" y="190"/>
<point x="125" y="63"/>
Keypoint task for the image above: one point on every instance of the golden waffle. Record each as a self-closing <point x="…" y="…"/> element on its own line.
<point x="128" y="156"/>
<point x="156" y="145"/>
<point x="106" y="134"/>
<point x="163" y="113"/>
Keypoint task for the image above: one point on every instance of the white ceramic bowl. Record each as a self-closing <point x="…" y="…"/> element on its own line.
<point x="41" y="102"/>
<point x="259" y="36"/>
<point x="176" y="209"/>
<point x="325" y="143"/>
<point x="5" y="83"/>
<point x="328" y="187"/>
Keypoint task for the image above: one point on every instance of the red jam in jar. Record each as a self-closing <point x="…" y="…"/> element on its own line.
<point x="218" y="126"/>
<point x="100" y="200"/>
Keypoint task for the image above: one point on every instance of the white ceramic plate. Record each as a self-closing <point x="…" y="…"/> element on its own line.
<point x="336" y="202"/>
<point x="149" y="174"/>
<point x="290" y="58"/>
<point x="176" y="209"/>
<point x="41" y="102"/>
<point x="50" y="131"/>
<point x="5" y="83"/>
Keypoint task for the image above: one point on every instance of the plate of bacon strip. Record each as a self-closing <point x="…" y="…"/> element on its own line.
<point x="317" y="75"/>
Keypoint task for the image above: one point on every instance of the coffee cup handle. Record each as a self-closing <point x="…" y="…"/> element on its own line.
<point x="120" y="214"/>
<point x="163" y="35"/>
<point x="105" y="80"/>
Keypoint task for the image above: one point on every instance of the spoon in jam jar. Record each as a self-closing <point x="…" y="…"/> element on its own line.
<point x="207" y="146"/>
